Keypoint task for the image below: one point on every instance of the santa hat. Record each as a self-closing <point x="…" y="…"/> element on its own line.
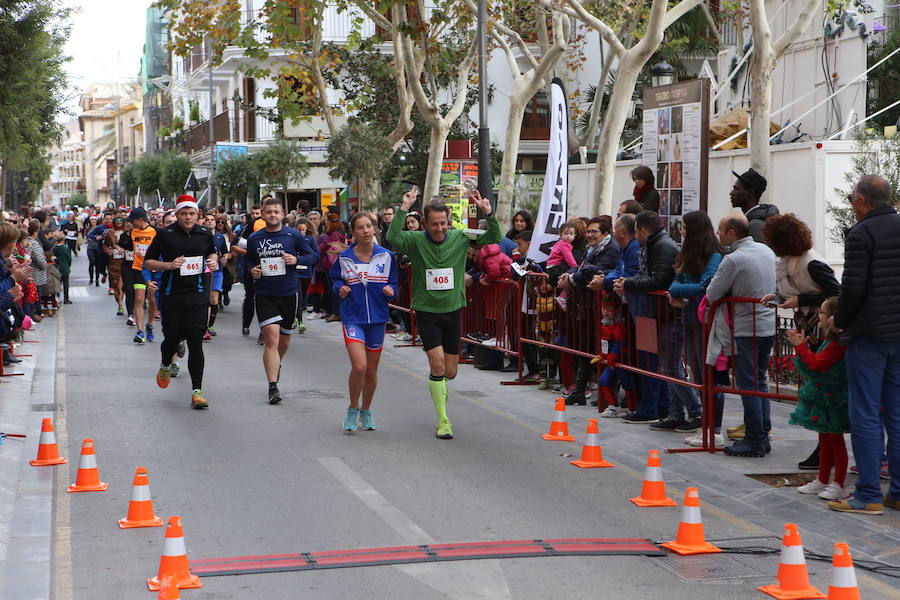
<point x="185" y="201"/>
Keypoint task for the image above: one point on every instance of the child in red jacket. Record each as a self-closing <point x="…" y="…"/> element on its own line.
<point x="494" y="264"/>
<point x="612" y="345"/>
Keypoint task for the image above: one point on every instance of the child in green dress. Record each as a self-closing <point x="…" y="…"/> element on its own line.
<point x="822" y="404"/>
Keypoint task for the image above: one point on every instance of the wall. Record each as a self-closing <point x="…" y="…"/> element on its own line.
<point x="803" y="182"/>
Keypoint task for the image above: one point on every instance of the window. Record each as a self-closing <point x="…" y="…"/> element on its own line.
<point x="536" y="122"/>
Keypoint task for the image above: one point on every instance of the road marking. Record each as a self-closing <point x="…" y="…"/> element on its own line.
<point x="62" y="532"/>
<point x="78" y="292"/>
<point x="462" y="580"/>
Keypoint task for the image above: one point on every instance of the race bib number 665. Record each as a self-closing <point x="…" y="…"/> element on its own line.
<point x="192" y="265"/>
<point x="439" y="279"/>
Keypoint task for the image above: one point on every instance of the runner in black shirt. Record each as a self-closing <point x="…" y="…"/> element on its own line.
<point x="183" y="252"/>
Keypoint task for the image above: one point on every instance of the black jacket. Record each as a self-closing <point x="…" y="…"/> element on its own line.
<point x="870" y="289"/>
<point x="650" y="200"/>
<point x="757" y="217"/>
<point x="170" y="243"/>
<point x="657" y="265"/>
<point x="598" y="263"/>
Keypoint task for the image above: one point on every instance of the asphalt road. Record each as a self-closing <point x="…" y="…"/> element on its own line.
<point x="249" y="478"/>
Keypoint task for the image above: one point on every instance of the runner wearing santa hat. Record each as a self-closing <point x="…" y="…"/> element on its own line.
<point x="183" y="251"/>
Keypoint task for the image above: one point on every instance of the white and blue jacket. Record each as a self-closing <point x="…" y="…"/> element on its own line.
<point x="366" y="302"/>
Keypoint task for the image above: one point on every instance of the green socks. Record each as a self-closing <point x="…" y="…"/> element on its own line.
<point x="437" y="385"/>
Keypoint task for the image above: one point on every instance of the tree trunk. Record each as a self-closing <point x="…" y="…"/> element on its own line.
<point x="613" y="124"/>
<point x="439" y="131"/>
<point x="761" y="66"/>
<point x="505" y="202"/>
<point x="597" y="104"/>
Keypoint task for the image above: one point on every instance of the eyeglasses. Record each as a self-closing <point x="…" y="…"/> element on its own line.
<point x="593" y="231"/>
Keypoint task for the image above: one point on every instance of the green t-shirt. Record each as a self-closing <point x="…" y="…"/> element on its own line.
<point x="432" y="263"/>
<point x="63" y="258"/>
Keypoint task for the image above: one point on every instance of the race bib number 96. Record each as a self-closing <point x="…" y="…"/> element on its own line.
<point x="272" y="266"/>
<point x="192" y="265"/>
<point x="438" y="279"/>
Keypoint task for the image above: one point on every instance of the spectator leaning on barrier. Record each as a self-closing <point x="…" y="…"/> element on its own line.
<point x="657" y="258"/>
<point x="748" y="271"/>
<point x="870" y="322"/>
<point x="745" y="195"/>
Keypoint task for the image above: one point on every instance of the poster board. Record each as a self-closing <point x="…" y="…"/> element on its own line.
<point x="676" y="148"/>
<point x="455" y="177"/>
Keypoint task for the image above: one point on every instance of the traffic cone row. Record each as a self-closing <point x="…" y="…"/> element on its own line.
<point x="174" y="567"/>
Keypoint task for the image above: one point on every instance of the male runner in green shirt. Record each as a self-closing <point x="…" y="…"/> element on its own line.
<point x="438" y="256"/>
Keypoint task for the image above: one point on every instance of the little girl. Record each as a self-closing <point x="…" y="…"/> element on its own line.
<point x="561" y="258"/>
<point x="822" y="404"/>
<point x="612" y="341"/>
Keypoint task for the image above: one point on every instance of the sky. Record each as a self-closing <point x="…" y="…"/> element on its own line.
<point x="106" y="42"/>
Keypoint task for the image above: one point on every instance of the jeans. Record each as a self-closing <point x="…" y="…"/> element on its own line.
<point x="654" y="398"/>
<point x="874" y="386"/>
<point x="750" y="371"/>
<point x="681" y="399"/>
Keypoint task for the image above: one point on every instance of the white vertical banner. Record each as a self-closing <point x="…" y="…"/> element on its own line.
<point x="552" y="213"/>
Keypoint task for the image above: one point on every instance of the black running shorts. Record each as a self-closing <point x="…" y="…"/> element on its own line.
<point x="280" y="310"/>
<point x="178" y="318"/>
<point x="439" y="329"/>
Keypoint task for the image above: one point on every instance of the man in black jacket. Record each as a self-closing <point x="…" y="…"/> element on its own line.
<point x="658" y="253"/>
<point x="867" y="314"/>
<point x="745" y="195"/>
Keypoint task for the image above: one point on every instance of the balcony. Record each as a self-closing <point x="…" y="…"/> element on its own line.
<point x="231" y="126"/>
<point x="336" y="26"/>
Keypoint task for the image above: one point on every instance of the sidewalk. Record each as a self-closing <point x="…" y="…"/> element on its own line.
<point x="26" y="492"/>
<point x="723" y="481"/>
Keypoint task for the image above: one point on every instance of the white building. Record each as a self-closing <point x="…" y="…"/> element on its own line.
<point x="67" y="166"/>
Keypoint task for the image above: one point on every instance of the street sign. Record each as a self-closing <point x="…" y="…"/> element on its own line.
<point x="192" y="184"/>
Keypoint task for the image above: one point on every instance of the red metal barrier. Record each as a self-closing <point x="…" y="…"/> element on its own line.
<point x="403" y="302"/>
<point x="494" y="310"/>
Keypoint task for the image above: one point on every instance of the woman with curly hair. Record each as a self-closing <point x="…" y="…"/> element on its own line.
<point x="804" y="282"/>
<point x="521" y="221"/>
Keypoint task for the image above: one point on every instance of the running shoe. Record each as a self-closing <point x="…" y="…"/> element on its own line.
<point x="174" y="369"/>
<point x="813" y="487"/>
<point x="259" y="339"/>
<point x="743" y="449"/>
<point x="351" y="419"/>
<point x="130" y="322"/>
<point x="139" y="337"/>
<point x="207" y="336"/>
<point x="225" y="299"/>
<point x="368" y="422"/>
<point x="162" y="377"/>
<point x="613" y="411"/>
<point x="697" y="440"/>
<point x="212" y="332"/>
<point x="149" y="332"/>
<point x="301" y="328"/>
<point x="104" y="278"/>
<point x="691" y="425"/>
<point x="891" y="502"/>
<point x="120" y="312"/>
<point x="274" y="394"/>
<point x="833" y="491"/>
<point x="444" y="430"/>
<point x="633" y="417"/>
<point x="182" y="349"/>
<point x="852" y="505"/>
<point x="666" y="424"/>
<point x="245" y="331"/>
<point x="198" y="399"/>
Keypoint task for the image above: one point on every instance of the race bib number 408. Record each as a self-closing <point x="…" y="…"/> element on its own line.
<point x="438" y="279"/>
<point x="192" y="265"/>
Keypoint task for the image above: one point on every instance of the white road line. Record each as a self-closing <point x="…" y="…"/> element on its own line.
<point x="78" y="292"/>
<point x="464" y="580"/>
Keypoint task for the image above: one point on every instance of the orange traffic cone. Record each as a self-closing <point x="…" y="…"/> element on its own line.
<point x="174" y="560"/>
<point x="88" y="478"/>
<point x="843" y="577"/>
<point x="653" y="491"/>
<point x="168" y="590"/>
<point x="559" y="427"/>
<point x="591" y="452"/>
<point x="793" y="578"/>
<point x="140" y="509"/>
<point x="47" y="454"/>
<point x="690" y="539"/>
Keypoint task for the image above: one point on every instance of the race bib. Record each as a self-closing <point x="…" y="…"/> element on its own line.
<point x="604" y="346"/>
<point x="363" y="270"/>
<point x="118" y="253"/>
<point x="438" y="279"/>
<point x="141" y="249"/>
<point x="129" y="255"/>
<point x="273" y="266"/>
<point x="71" y="235"/>
<point x="192" y="265"/>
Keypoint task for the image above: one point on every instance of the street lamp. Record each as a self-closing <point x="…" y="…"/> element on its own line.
<point x="632" y="106"/>
<point x="662" y="73"/>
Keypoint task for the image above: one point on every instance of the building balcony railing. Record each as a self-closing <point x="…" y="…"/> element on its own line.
<point x="231" y="126"/>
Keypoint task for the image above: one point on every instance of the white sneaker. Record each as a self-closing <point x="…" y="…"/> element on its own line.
<point x="491" y="343"/>
<point x="832" y="491"/>
<point x="813" y="487"/>
<point x="611" y="412"/>
<point x="697" y="440"/>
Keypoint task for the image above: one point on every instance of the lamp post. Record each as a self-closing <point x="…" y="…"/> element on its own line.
<point x="485" y="178"/>
<point x="662" y="73"/>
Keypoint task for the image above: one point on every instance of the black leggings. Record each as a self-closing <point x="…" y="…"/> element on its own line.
<point x="93" y="267"/>
<point x="249" y="306"/>
<point x="196" y="362"/>
<point x="128" y="287"/>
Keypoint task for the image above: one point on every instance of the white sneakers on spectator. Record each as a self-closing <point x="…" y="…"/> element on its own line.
<point x="613" y="411"/>
<point x="697" y="440"/>
<point x="831" y="491"/>
<point x="491" y="343"/>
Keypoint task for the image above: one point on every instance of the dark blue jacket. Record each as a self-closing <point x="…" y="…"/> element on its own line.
<point x="629" y="264"/>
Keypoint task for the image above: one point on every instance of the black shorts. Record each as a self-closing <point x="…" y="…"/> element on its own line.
<point x="439" y="329"/>
<point x="177" y="318"/>
<point x="277" y="309"/>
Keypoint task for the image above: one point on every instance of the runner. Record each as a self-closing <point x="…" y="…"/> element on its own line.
<point x="218" y="276"/>
<point x="438" y="257"/>
<point x="70" y="229"/>
<point x="128" y="273"/>
<point x="272" y="255"/>
<point x="254" y="224"/>
<point x="365" y="276"/>
<point x="116" y="255"/>
<point x="142" y="235"/>
<point x="185" y="250"/>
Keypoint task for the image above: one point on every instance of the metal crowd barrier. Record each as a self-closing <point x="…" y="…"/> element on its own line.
<point x="403" y="302"/>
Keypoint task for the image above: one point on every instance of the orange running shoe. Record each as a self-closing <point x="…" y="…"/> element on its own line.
<point x="163" y="376"/>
